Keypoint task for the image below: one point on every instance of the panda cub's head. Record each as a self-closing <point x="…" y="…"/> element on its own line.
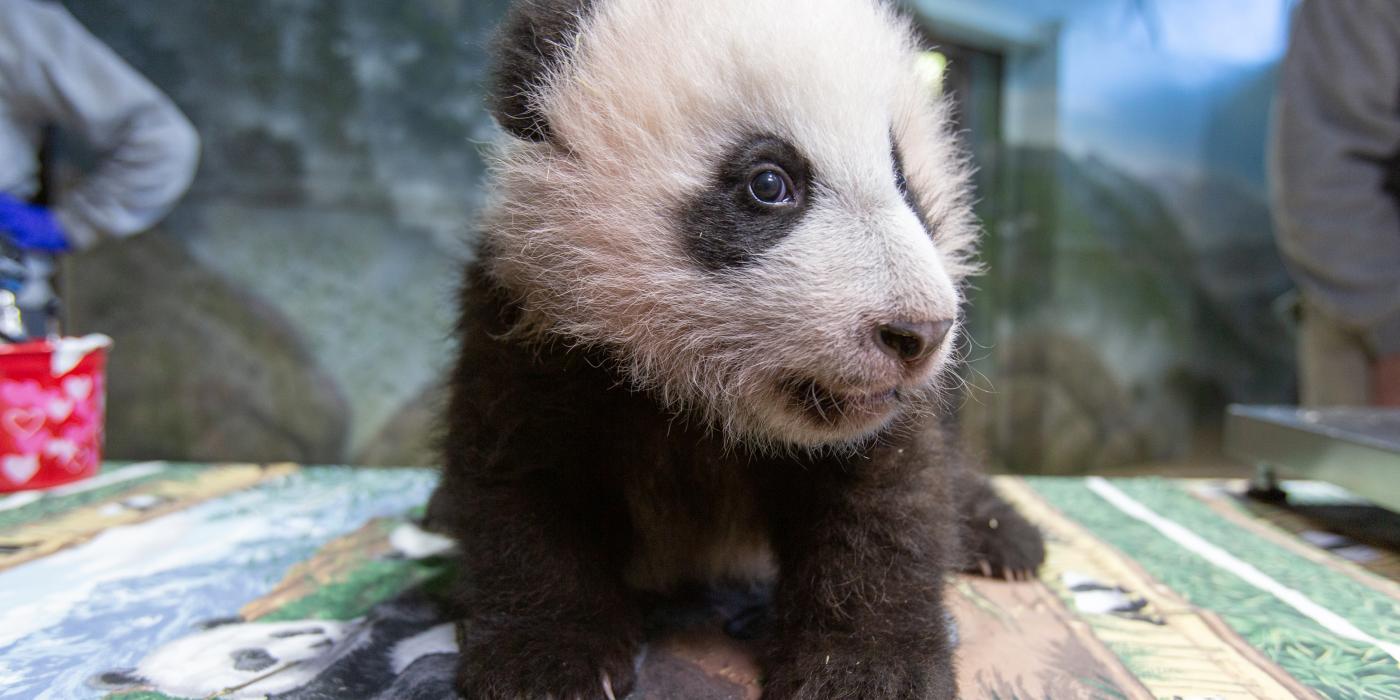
<point x="755" y="206"/>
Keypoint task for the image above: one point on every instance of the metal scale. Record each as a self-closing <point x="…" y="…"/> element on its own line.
<point x="1355" y="448"/>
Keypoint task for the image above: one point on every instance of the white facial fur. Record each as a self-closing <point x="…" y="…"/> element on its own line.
<point x="583" y="230"/>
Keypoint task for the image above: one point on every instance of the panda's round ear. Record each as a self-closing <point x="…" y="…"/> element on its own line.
<point x="535" y="37"/>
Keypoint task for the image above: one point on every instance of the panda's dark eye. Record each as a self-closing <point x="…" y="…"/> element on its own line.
<point x="770" y="186"/>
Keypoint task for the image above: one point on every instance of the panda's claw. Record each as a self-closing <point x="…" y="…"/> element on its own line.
<point x="567" y="667"/>
<point x="1011" y="550"/>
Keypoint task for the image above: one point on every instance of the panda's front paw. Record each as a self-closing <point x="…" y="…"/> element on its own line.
<point x="535" y="663"/>
<point x="893" y="675"/>
<point x="1003" y="544"/>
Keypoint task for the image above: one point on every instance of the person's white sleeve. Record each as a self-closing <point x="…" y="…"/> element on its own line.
<point x="148" y="150"/>
<point x="1335" y="139"/>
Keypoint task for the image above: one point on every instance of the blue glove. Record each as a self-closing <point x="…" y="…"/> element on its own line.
<point x="29" y="227"/>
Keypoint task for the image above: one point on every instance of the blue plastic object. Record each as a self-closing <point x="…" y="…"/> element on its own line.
<point x="30" y="227"/>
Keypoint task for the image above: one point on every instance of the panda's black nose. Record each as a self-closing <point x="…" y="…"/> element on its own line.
<point x="911" y="341"/>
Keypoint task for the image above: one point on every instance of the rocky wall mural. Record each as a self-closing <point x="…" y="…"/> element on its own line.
<point x="1105" y="335"/>
<point x="296" y="304"/>
<point x="1135" y="288"/>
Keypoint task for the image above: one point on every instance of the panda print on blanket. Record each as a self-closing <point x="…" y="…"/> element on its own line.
<point x="403" y="649"/>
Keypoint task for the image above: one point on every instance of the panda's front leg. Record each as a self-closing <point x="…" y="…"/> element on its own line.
<point x="546" y="612"/>
<point x="997" y="541"/>
<point x="858" y="610"/>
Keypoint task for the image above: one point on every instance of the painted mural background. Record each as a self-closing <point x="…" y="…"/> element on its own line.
<point x="296" y="304"/>
<point x="1135" y="285"/>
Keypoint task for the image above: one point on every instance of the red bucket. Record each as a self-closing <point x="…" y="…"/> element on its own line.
<point x="52" y="399"/>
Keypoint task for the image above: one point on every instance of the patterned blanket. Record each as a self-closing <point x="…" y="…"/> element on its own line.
<point x="163" y="580"/>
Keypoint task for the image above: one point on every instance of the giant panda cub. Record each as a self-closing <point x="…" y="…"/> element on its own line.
<point x="706" y="339"/>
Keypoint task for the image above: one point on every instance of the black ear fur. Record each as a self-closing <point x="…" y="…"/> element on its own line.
<point x="535" y="36"/>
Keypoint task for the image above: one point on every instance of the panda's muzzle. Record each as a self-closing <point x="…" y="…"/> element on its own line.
<point x="832" y="407"/>
<point x="852" y="403"/>
<point x="911" y="342"/>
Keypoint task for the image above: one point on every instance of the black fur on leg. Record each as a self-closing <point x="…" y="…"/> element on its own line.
<point x="541" y="524"/>
<point x="863" y="544"/>
<point x="547" y="612"/>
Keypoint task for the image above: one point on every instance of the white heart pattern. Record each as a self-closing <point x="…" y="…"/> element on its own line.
<point x="63" y="450"/>
<point x="19" y="469"/>
<point x="23" y="423"/>
<point x="78" y="388"/>
<point x="60" y="409"/>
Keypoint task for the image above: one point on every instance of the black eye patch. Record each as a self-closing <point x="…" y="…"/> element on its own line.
<point x="902" y="183"/>
<point x="757" y="194"/>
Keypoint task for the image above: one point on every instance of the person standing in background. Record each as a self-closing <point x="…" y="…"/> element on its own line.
<point x="1335" y="190"/>
<point x="54" y="73"/>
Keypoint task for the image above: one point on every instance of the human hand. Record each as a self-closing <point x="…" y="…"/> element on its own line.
<point x="1385" y="381"/>
<point x="30" y="227"/>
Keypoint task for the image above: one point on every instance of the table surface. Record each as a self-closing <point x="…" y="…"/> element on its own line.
<point x="160" y="580"/>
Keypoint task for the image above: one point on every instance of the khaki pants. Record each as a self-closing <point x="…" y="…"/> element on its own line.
<point x="1334" y="364"/>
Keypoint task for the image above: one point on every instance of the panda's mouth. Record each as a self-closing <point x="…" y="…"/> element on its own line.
<point x="827" y="406"/>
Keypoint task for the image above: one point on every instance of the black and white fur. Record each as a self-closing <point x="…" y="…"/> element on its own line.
<point x="668" y="377"/>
